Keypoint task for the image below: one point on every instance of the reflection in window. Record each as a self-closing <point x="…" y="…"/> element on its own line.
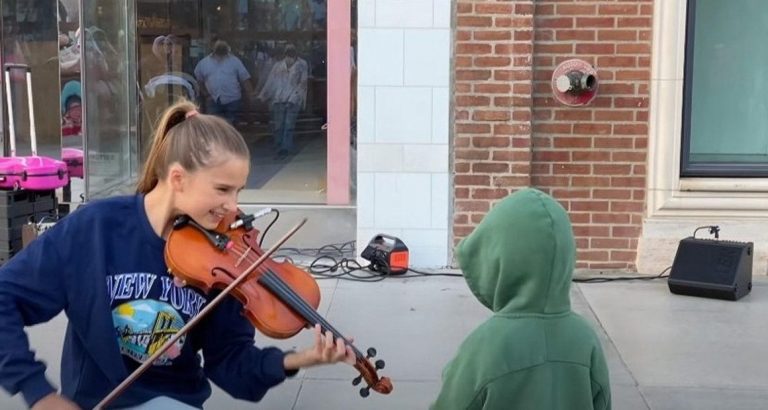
<point x="261" y="65"/>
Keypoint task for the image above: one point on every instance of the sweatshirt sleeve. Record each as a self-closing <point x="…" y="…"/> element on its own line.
<point x="232" y="361"/>
<point x="32" y="291"/>
<point x="601" y="386"/>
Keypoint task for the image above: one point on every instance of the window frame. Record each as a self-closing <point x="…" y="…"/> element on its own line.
<point x="704" y="169"/>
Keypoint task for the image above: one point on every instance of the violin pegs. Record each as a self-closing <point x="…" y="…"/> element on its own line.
<point x="379" y="364"/>
<point x="357" y="380"/>
<point x="365" y="391"/>
<point x="371" y="353"/>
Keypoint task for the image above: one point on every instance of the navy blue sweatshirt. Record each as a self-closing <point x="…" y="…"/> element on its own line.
<point x="103" y="265"/>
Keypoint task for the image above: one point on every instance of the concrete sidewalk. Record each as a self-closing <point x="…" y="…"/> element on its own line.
<point x="664" y="351"/>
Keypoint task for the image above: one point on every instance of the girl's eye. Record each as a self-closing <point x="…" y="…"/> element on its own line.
<point x="223" y="190"/>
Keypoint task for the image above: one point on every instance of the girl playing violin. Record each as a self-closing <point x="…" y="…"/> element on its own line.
<point x="103" y="265"/>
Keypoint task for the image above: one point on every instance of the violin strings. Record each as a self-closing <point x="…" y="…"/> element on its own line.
<point x="243" y="256"/>
<point x="272" y="280"/>
<point x="293" y="299"/>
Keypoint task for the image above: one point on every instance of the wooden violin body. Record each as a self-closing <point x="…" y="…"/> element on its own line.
<point x="189" y="256"/>
<point x="279" y="299"/>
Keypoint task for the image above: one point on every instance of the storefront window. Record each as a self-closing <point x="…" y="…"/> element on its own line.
<point x="725" y="119"/>
<point x="110" y="97"/>
<point x="260" y="64"/>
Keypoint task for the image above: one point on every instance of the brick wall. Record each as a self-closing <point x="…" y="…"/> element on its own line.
<point x="492" y="97"/>
<point x="592" y="159"/>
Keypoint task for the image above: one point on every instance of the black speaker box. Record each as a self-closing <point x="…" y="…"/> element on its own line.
<point x="712" y="269"/>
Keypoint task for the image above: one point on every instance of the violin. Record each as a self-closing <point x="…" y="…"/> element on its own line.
<point x="279" y="299"/>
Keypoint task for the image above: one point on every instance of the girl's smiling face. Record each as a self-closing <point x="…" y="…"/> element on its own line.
<point x="209" y="193"/>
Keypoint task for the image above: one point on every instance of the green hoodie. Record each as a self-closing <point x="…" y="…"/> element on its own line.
<point x="534" y="353"/>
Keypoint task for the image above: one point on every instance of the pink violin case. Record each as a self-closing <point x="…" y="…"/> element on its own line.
<point x="33" y="173"/>
<point x="73" y="157"/>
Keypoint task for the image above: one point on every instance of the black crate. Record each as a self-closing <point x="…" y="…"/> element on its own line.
<point x="16" y="210"/>
<point x="12" y="246"/>
<point x="10" y="234"/>
<point x="8" y="198"/>
<point x="16" y="221"/>
<point x="6" y="255"/>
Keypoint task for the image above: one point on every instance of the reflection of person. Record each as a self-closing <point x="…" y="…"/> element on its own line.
<point x="224" y="78"/>
<point x="534" y="352"/>
<point x="71" y="110"/>
<point x="113" y="283"/>
<point x="286" y="90"/>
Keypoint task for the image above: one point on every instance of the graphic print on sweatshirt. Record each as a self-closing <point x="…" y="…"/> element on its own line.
<point x="147" y="310"/>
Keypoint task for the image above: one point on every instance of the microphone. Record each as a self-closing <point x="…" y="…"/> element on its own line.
<point x="247" y="220"/>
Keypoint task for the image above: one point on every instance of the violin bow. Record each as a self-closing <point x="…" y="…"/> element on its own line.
<point x="243" y="276"/>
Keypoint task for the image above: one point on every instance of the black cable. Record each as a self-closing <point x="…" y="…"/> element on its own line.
<point x="264" y="234"/>
<point x="623" y="278"/>
<point x="420" y="273"/>
<point x="713" y="230"/>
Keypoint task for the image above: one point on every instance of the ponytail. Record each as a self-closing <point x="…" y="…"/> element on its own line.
<point x="189" y="140"/>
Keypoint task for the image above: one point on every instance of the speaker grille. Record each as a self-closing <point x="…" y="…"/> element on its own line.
<point x="710" y="264"/>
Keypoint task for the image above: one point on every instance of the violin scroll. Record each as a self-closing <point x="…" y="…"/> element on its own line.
<point x="379" y="384"/>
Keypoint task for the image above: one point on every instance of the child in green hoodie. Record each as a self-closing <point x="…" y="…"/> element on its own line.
<point x="534" y="353"/>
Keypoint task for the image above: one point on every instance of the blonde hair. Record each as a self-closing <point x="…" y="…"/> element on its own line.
<point x="191" y="139"/>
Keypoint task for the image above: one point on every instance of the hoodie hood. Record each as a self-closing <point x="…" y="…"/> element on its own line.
<point x="520" y="259"/>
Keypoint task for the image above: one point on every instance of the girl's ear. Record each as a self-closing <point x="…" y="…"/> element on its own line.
<point x="177" y="177"/>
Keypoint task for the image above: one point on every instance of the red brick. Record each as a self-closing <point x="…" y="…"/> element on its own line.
<point x="573" y="115"/>
<point x="472" y="206"/>
<point x="524" y="9"/>
<point x="572" y="142"/>
<point x="498" y="88"/>
<point x="610" y="218"/>
<point x="470" y="154"/>
<point x="592" y="230"/>
<point x="473" y="128"/>
<point x="552" y="156"/>
<point x="592" y="128"/>
<point x="591" y="156"/>
<point x="493" y="8"/>
<point x="592" y="255"/>
<point x="472" y="100"/>
<point x="617" y="35"/>
<point x="595" y="48"/>
<point x="580" y="35"/>
<point x="474" y="21"/>
<point x="556" y="22"/>
<point x="511" y="181"/>
<point x="483" y="180"/>
<point x="490" y="142"/>
<point x="628" y="256"/>
<point x="605" y="243"/>
<point x="473" y="48"/>
<point x="617" y="9"/>
<point x="626" y="231"/>
<point x="612" y="169"/>
<point x="486" y="193"/>
<point x="473" y="75"/>
<point x="490" y="167"/>
<point x="492" y="61"/>
<point x="643" y="22"/>
<point x="490" y="115"/>
<point x="571" y="193"/>
<point x="492" y="35"/>
<point x="630" y="129"/>
<point x="576" y="9"/>
<point x="591" y="181"/>
<point x="597" y="22"/>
